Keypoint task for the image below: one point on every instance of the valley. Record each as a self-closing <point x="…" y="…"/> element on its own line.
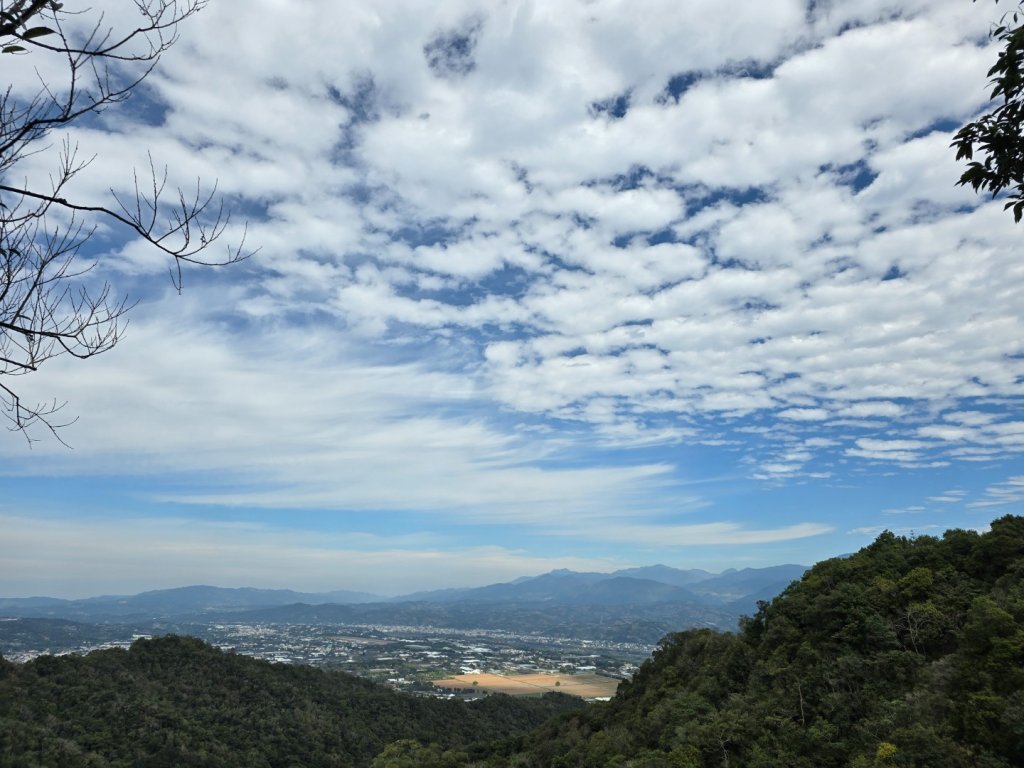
<point x="403" y="658"/>
<point x="558" y="623"/>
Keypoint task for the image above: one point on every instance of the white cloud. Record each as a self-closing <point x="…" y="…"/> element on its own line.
<point x="873" y="408"/>
<point x="804" y="414"/>
<point x="971" y="418"/>
<point x="706" y="534"/>
<point x="293" y="419"/>
<point x="1009" y="492"/>
<point x="946" y="432"/>
<point x="911" y="510"/>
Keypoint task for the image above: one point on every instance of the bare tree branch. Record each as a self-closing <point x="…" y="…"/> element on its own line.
<point x="48" y="307"/>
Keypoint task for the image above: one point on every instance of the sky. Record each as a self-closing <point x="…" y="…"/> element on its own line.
<point x="566" y="284"/>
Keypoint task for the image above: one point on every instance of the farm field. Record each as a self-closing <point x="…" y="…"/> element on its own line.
<point x="585" y="686"/>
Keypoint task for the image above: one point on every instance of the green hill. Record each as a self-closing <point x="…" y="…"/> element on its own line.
<point x="908" y="653"/>
<point x="178" y="702"/>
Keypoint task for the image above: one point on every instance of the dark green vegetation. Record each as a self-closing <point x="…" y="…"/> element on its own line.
<point x="179" y="702"/>
<point x="908" y="653"/>
<point x="997" y="137"/>
<point x="27" y="634"/>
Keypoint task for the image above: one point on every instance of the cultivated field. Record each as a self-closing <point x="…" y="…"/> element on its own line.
<point x="584" y="686"/>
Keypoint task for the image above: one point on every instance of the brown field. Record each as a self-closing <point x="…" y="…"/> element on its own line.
<point x="585" y="686"/>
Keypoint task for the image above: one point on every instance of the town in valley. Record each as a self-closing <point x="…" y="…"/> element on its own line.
<point x="425" y="661"/>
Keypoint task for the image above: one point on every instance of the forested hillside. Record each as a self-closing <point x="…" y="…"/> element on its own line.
<point x="908" y="653"/>
<point x="178" y="702"/>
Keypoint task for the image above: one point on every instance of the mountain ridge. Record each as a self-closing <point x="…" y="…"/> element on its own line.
<point x="629" y="586"/>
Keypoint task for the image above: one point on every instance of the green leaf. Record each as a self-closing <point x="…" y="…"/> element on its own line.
<point x="32" y="34"/>
<point x="12" y="49"/>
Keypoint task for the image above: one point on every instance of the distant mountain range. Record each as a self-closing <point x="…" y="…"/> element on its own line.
<point x="632" y="604"/>
<point x="167" y="603"/>
<point x="736" y="589"/>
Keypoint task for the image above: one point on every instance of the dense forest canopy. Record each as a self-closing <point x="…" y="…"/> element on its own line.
<point x="178" y="702"/>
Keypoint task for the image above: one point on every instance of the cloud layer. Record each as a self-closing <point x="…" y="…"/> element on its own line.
<point x="522" y="262"/>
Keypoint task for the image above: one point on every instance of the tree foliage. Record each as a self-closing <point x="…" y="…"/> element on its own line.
<point x="48" y="305"/>
<point x="178" y="702"/>
<point x="993" y="144"/>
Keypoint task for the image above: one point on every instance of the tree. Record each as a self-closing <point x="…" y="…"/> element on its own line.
<point x="49" y="306"/>
<point x="997" y="137"/>
<point x="409" y="753"/>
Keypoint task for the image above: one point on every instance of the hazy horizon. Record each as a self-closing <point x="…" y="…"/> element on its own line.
<point x="327" y="590"/>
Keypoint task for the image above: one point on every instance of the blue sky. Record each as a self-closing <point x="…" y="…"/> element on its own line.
<point x="540" y="285"/>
